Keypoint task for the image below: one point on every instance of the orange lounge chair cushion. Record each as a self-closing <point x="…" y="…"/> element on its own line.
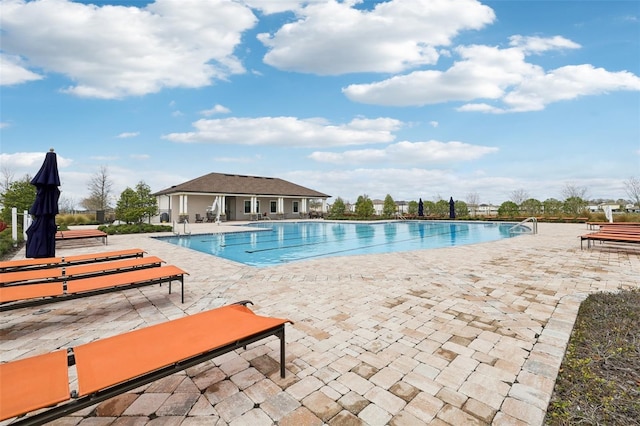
<point x="103" y="256"/>
<point x="122" y="278"/>
<point x="116" y="359"/>
<point x="25" y="263"/>
<point x="110" y="266"/>
<point x="30" y="291"/>
<point x="32" y="383"/>
<point x="31" y="275"/>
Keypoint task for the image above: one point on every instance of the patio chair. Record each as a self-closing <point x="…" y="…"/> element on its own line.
<point x="111" y="366"/>
<point x="40" y="293"/>
<point x="78" y="271"/>
<point x="199" y="219"/>
<point x="56" y="262"/>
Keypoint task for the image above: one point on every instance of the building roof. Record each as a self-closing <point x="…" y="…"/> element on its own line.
<point x="230" y="184"/>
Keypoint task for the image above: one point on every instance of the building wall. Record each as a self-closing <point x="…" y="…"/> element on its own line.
<point x="170" y="209"/>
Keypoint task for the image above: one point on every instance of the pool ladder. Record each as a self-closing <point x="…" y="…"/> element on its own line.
<point x="185" y="228"/>
<point x="534" y="227"/>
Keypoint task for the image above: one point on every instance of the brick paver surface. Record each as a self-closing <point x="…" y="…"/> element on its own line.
<point x="462" y="335"/>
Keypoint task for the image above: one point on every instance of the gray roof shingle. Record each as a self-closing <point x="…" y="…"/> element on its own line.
<point x="231" y="184"/>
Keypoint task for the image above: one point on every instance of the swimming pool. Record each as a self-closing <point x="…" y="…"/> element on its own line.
<point x="274" y="243"/>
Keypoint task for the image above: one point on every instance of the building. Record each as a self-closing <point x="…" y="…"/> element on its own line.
<point x="221" y="196"/>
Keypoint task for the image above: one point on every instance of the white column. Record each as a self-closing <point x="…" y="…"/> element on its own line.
<point x="253" y="204"/>
<point x="183" y="204"/>
<point x="304" y="205"/>
<point x="280" y="205"/>
<point x="222" y="205"/>
<point x="26" y="222"/>
<point x="14" y="224"/>
<point x="324" y="205"/>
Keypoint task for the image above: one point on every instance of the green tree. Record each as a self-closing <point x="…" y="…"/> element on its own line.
<point x="441" y="208"/>
<point x="389" y="206"/>
<point x="148" y="203"/>
<point x="552" y="207"/>
<point x="338" y="208"/>
<point x="508" y="209"/>
<point x="531" y="207"/>
<point x="429" y="208"/>
<point x="20" y="194"/>
<point x="412" y="207"/>
<point x="129" y="208"/>
<point x="462" y="209"/>
<point x="364" y="206"/>
<point x="574" y="206"/>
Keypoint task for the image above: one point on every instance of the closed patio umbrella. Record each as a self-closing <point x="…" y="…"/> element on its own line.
<point x="41" y="235"/>
<point x="452" y="209"/>
<point x="420" y="208"/>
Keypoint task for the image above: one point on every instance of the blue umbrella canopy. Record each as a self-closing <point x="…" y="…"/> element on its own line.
<point x="452" y="209"/>
<point x="41" y="234"/>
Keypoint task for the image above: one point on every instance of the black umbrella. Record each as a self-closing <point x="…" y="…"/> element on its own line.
<point x="420" y="208"/>
<point x="41" y="235"/>
<point x="452" y="209"/>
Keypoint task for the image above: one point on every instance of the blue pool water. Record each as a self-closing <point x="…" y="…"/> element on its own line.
<point x="275" y="243"/>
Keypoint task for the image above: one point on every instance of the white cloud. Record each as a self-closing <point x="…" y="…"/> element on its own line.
<point x="434" y="124"/>
<point x="104" y="158"/>
<point x="4" y="125"/>
<point x="239" y="160"/>
<point x="126" y="135"/>
<point x="13" y="71"/>
<point x="29" y="162"/>
<point x="269" y="7"/>
<point x="114" y="51"/>
<point x="289" y="131"/>
<point x="541" y="44"/>
<point x="331" y="38"/>
<point x="217" y="109"/>
<point x="567" y="83"/>
<point x="413" y="153"/>
<point x="140" y="156"/>
<point x="502" y="75"/>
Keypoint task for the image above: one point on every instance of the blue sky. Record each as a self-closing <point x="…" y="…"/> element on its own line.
<point x="417" y="99"/>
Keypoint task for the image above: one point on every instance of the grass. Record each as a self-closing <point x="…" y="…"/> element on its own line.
<point x="599" y="379"/>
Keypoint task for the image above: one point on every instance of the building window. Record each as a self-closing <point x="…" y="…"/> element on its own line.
<point x="247" y="207"/>
<point x="296" y="209"/>
<point x="273" y="206"/>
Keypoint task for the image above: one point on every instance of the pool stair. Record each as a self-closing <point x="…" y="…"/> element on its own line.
<point x="532" y="230"/>
<point x="186" y="230"/>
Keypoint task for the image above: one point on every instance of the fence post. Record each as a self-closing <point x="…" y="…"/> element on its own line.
<point x="26" y="222"/>
<point x="14" y="225"/>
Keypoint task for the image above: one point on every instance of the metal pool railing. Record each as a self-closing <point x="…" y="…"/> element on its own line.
<point x="534" y="227"/>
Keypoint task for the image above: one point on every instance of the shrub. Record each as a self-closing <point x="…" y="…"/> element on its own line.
<point x="137" y="228"/>
<point x="6" y="243"/>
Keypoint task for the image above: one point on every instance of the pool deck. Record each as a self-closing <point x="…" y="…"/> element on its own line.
<point x="469" y="335"/>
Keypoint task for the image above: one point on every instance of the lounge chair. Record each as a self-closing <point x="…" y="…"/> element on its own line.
<point x="76" y="234"/>
<point x="53" y="262"/>
<point x="21" y="296"/>
<point x="618" y="235"/>
<point x="595" y="225"/>
<point x="114" y="365"/>
<point x="199" y="219"/>
<point x="78" y="271"/>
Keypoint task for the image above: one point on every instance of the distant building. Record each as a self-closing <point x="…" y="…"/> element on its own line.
<point x="486" y="210"/>
<point x="235" y="197"/>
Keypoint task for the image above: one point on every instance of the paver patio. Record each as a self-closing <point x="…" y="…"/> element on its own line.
<point x="461" y="335"/>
